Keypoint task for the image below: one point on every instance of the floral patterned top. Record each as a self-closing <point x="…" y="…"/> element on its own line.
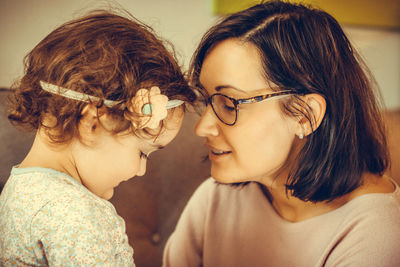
<point x="47" y="218"/>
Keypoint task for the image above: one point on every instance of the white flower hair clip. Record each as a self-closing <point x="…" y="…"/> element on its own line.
<point x="150" y="105"/>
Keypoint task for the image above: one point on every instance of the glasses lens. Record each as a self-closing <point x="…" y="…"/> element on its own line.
<point x="224" y="108"/>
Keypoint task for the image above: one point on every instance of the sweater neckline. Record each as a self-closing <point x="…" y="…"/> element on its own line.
<point x="342" y="209"/>
<point x="16" y="170"/>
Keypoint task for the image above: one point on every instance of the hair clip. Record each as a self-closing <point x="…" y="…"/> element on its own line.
<point x="67" y="93"/>
<point x="58" y="90"/>
<point x="151" y="105"/>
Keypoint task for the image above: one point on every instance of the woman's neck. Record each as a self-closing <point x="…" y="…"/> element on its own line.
<point x="293" y="209"/>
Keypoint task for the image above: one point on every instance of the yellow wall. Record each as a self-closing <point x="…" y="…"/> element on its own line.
<point x="382" y="13"/>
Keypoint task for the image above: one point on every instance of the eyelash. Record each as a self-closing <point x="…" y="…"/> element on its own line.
<point x="143" y="155"/>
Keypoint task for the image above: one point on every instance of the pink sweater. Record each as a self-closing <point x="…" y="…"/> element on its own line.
<point x="225" y="226"/>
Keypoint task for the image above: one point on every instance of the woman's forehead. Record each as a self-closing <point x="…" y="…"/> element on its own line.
<point x="234" y="66"/>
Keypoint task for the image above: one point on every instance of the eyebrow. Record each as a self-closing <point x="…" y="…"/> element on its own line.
<point x="221" y="87"/>
<point x="158" y="147"/>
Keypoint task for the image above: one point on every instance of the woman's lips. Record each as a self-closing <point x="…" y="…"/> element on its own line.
<point x="219" y="152"/>
<point x="216" y="152"/>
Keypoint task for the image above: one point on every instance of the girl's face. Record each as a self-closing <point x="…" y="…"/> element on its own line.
<point x="114" y="159"/>
<point x="257" y="146"/>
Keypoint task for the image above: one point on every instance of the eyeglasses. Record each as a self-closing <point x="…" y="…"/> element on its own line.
<point x="227" y="108"/>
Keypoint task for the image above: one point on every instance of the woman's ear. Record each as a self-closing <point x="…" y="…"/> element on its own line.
<point x="316" y="110"/>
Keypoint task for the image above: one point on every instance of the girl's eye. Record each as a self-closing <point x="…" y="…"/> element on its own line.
<point x="203" y="102"/>
<point x="144" y="156"/>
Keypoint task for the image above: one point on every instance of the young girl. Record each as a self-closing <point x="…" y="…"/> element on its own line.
<point x="103" y="93"/>
<point x="292" y="118"/>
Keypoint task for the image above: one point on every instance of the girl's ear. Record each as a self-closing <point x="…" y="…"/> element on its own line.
<point x="316" y="109"/>
<point x="89" y="122"/>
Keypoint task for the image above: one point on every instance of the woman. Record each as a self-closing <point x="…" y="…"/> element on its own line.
<point x="297" y="146"/>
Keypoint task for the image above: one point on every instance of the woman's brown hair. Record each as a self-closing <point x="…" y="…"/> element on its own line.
<point x="305" y="50"/>
<point x="102" y="54"/>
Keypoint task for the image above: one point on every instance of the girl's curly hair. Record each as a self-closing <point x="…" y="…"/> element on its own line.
<point x="101" y="54"/>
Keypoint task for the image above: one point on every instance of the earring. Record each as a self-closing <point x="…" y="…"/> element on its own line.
<point x="301" y="135"/>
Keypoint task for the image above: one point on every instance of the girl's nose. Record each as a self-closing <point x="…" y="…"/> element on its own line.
<point x="208" y="124"/>
<point x="142" y="167"/>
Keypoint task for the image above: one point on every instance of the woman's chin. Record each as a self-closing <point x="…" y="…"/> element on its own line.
<point x="225" y="178"/>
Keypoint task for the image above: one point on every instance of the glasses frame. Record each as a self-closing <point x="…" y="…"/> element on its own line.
<point x="250" y="100"/>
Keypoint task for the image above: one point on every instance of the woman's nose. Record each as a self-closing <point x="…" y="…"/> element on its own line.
<point x="208" y="124"/>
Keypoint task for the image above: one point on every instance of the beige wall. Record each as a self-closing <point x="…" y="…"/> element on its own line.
<point x="25" y="22"/>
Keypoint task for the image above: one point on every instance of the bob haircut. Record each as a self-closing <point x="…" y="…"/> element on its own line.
<point x="101" y="54"/>
<point x="305" y="50"/>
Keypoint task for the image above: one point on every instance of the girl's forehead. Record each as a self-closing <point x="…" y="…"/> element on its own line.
<point x="171" y="127"/>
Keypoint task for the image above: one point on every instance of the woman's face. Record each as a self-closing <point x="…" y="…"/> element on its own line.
<point x="257" y="146"/>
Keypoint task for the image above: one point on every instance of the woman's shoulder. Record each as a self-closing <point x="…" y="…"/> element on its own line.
<point x="369" y="229"/>
<point x="377" y="205"/>
<point x="377" y="189"/>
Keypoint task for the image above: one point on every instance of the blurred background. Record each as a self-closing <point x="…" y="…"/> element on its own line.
<point x="372" y="26"/>
<point x="151" y="204"/>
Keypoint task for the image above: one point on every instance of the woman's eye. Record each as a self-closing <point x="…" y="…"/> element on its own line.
<point x="144" y="156"/>
<point x="229" y="108"/>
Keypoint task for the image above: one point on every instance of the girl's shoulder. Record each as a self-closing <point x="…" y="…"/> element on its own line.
<point x="36" y="189"/>
<point x="46" y="208"/>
